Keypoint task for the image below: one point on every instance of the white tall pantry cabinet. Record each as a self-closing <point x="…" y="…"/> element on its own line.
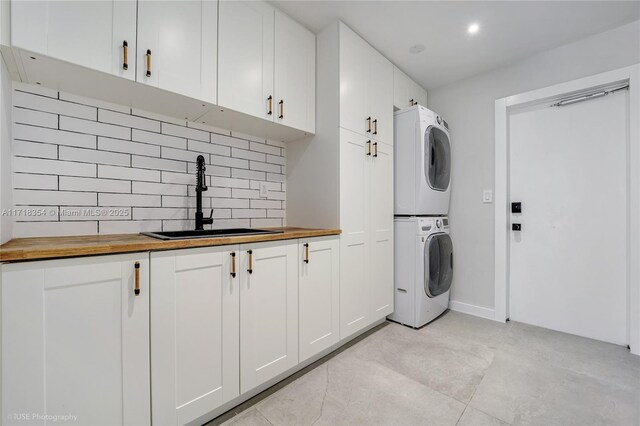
<point x="349" y="166"/>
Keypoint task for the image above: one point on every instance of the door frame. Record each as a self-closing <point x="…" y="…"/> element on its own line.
<point x="503" y="108"/>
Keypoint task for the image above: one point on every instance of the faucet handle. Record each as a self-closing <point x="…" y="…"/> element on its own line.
<point x="211" y="214"/>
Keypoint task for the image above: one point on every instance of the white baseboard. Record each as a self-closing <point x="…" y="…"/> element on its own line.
<point x="478" y="311"/>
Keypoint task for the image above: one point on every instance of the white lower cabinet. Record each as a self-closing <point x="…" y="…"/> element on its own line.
<point x="75" y="340"/>
<point x="318" y="295"/>
<point x="194" y="332"/>
<point x="268" y="311"/>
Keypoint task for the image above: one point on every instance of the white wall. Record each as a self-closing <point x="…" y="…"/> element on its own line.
<point x="5" y="153"/>
<point x="468" y="107"/>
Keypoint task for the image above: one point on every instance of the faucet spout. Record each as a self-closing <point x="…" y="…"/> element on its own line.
<point x="201" y="186"/>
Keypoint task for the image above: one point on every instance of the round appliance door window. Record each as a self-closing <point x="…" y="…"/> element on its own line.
<point x="438" y="264"/>
<point x="437" y="158"/>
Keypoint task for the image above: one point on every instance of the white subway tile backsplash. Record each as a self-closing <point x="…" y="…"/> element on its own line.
<point x="266" y="223"/>
<point x="227" y="140"/>
<point x="55" y="137"/>
<point x="96" y="167"/>
<point x="265" y="167"/>
<point x="220" y="160"/>
<point x="248" y="213"/>
<point x="34" y="149"/>
<point x="128" y="120"/>
<point x="130" y="226"/>
<point x="158" y="164"/>
<point x="158" y="188"/>
<point x="266" y="204"/>
<point x="54" y="106"/>
<point x="128" y="147"/>
<point x="25" y="197"/>
<point x="160" y="213"/>
<point x="93" y="102"/>
<point x="262" y="147"/>
<point x="53" y="167"/>
<point x="135" y="200"/>
<point x="94" y="185"/>
<point x="31" y="181"/>
<point x="208" y="147"/>
<point x="94" y="128"/>
<point x="34" y="118"/>
<point x="50" y="229"/>
<point x="247" y="174"/>
<point x="249" y="155"/>
<point x="128" y="173"/>
<point x="185" y="132"/>
<point x="93" y="156"/>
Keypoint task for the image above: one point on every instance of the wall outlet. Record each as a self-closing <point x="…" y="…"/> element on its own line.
<point x="264" y="192"/>
<point x="487" y="196"/>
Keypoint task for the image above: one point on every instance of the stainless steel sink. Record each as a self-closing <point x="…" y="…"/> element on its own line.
<point x="207" y="233"/>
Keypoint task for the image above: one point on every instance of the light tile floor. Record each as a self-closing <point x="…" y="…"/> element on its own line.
<point x="458" y="370"/>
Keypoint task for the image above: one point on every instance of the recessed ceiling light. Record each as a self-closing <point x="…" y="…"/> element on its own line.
<point x="473" y="28"/>
<point x="416" y="48"/>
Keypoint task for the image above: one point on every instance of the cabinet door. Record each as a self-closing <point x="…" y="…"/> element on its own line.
<point x="245" y="57"/>
<point x="354" y="82"/>
<point x="87" y="33"/>
<point x="177" y="46"/>
<point x="268" y="311"/>
<point x="402" y="89"/>
<point x="421" y="95"/>
<point x="354" y="240"/>
<point x="76" y="340"/>
<point x="194" y="332"/>
<point x="381" y="231"/>
<point x="319" y="298"/>
<point x="380" y="97"/>
<point x="295" y="74"/>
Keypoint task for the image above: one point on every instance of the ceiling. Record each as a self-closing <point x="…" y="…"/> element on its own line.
<point x="509" y="30"/>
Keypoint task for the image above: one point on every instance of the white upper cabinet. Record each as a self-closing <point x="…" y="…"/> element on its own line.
<point x="366" y="88"/>
<point x="319" y="295"/>
<point x="76" y="340"/>
<point x="295" y="74"/>
<point x="380" y="92"/>
<point x="177" y="46"/>
<point x="407" y="92"/>
<point x="195" y="328"/>
<point x="354" y="82"/>
<point x="269" y="311"/>
<point x="93" y="34"/>
<point x="245" y="57"/>
<point x="266" y="64"/>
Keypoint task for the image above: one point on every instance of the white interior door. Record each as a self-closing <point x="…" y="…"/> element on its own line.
<point x="568" y="264"/>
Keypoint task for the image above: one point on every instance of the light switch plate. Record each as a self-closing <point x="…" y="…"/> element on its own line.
<point x="487" y="196"/>
<point x="264" y="192"/>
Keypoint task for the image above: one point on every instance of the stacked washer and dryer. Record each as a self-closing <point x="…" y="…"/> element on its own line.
<point x="423" y="248"/>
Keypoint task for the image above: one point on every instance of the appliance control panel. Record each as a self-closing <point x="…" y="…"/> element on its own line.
<point x="432" y="224"/>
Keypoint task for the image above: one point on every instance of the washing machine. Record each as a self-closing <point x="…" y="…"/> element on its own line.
<point x="423" y="269"/>
<point x="422" y="160"/>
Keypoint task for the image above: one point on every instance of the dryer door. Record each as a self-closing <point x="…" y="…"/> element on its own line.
<point x="437" y="158"/>
<point x="438" y="264"/>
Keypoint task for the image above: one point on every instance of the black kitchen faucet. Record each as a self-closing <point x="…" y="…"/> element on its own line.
<point x="201" y="186"/>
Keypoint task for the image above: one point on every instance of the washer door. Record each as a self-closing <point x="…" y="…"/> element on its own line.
<point x="438" y="264"/>
<point x="437" y="158"/>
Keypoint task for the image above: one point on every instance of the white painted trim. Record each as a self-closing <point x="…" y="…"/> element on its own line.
<point x="501" y="231"/>
<point x="478" y="311"/>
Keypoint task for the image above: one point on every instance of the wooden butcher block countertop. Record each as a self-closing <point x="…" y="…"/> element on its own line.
<point x="56" y="247"/>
